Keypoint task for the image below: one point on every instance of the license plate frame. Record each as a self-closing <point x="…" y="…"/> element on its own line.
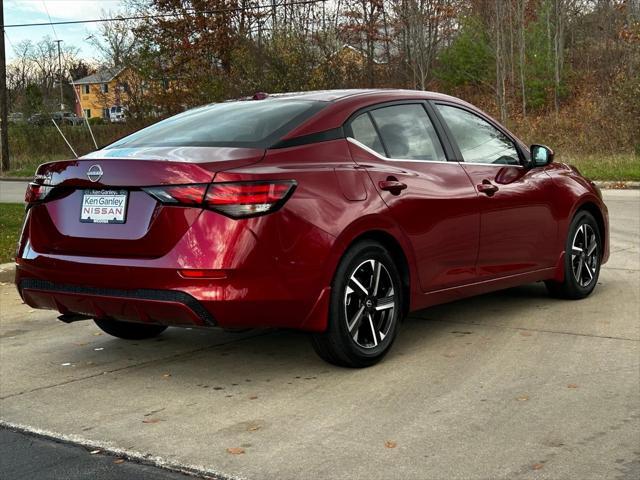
<point x="104" y="199"/>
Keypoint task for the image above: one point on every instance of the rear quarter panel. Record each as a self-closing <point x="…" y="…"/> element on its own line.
<point x="334" y="203"/>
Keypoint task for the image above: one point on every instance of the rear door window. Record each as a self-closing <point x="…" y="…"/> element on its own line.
<point x="407" y="133"/>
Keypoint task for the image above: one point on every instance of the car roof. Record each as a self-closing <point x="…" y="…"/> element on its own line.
<point x="341" y="104"/>
<point x="337" y="95"/>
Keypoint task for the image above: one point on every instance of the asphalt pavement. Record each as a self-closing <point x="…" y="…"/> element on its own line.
<point x="12" y="191"/>
<point x="508" y="385"/>
<point x="27" y="457"/>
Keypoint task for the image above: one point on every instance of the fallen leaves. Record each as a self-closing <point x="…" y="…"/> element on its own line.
<point x="235" y="450"/>
<point x="572" y="385"/>
<point x="537" y="466"/>
<point x="151" y="420"/>
<point x="94" y="452"/>
<point x="253" y="397"/>
<point x="99" y="349"/>
<point x="390" y="444"/>
<point x="525" y="334"/>
<point x="118" y="461"/>
<point x="522" y="398"/>
<point x="166" y="375"/>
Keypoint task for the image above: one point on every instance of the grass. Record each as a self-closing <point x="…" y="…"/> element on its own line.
<point x="606" y="166"/>
<point x="11" y="216"/>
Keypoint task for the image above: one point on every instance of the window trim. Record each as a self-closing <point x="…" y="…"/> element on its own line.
<point x="522" y="158"/>
<point x="449" y="152"/>
<point x="389" y="159"/>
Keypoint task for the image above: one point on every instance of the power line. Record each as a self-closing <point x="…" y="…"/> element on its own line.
<point x="44" y="4"/>
<point x="164" y="15"/>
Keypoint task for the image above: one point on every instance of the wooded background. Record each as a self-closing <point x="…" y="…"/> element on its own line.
<point x="561" y="72"/>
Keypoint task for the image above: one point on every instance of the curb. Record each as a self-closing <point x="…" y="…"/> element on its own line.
<point x="7" y="272"/>
<point x="618" y="185"/>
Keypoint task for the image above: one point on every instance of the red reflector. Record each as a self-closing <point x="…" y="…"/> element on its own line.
<point x="202" y="274"/>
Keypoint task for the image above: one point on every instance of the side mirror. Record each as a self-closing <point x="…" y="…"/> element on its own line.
<point x="541" y="155"/>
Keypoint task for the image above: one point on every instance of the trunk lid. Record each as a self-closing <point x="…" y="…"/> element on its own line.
<point x="150" y="229"/>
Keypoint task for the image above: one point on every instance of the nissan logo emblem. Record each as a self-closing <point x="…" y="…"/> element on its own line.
<point x="94" y="173"/>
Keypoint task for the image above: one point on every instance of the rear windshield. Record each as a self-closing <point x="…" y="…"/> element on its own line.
<point x="251" y="124"/>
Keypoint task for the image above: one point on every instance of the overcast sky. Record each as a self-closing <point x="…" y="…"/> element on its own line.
<point x="35" y="11"/>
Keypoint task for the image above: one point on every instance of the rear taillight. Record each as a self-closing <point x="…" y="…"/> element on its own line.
<point x="233" y="199"/>
<point x="248" y="199"/>
<point x="36" y="193"/>
<point x="179" y="194"/>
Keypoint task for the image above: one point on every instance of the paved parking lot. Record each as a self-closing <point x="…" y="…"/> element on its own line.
<point x="508" y="385"/>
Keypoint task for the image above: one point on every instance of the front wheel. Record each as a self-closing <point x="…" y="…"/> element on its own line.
<point x="130" y="330"/>
<point x="583" y="253"/>
<point x="365" y="309"/>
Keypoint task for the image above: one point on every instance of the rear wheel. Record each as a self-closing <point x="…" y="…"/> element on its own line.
<point x="130" y="330"/>
<point x="366" y="307"/>
<point x="583" y="252"/>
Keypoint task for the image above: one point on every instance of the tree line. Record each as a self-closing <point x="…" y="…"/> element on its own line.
<point x="522" y="60"/>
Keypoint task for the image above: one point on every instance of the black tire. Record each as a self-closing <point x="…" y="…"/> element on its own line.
<point x="361" y="349"/>
<point x="578" y="285"/>
<point x="130" y="330"/>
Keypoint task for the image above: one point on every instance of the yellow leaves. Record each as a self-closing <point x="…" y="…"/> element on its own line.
<point x="522" y="398"/>
<point x="390" y="444"/>
<point x="235" y="450"/>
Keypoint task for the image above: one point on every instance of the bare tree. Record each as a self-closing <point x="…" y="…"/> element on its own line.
<point x="115" y="42"/>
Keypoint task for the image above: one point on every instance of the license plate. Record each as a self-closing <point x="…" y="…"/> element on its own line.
<point x="104" y="206"/>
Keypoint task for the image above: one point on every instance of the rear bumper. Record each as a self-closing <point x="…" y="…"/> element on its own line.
<point x="245" y="299"/>
<point x="141" y="305"/>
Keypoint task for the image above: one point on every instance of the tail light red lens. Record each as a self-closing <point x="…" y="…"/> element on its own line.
<point x="248" y="199"/>
<point x="233" y="199"/>
<point x="179" y="194"/>
<point x="36" y="193"/>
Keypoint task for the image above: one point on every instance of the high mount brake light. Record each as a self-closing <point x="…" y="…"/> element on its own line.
<point x="233" y="199"/>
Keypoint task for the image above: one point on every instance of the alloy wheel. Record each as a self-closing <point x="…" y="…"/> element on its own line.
<point x="370" y="302"/>
<point x="585" y="255"/>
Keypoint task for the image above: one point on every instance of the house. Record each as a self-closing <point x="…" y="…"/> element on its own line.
<point x="99" y="92"/>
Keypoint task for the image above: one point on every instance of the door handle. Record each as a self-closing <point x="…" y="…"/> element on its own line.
<point x="391" y="184"/>
<point x="487" y="187"/>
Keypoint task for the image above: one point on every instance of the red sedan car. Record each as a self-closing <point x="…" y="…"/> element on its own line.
<point x="333" y="212"/>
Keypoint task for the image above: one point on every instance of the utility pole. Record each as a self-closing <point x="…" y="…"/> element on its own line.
<point x="4" y="114"/>
<point x="60" y="76"/>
